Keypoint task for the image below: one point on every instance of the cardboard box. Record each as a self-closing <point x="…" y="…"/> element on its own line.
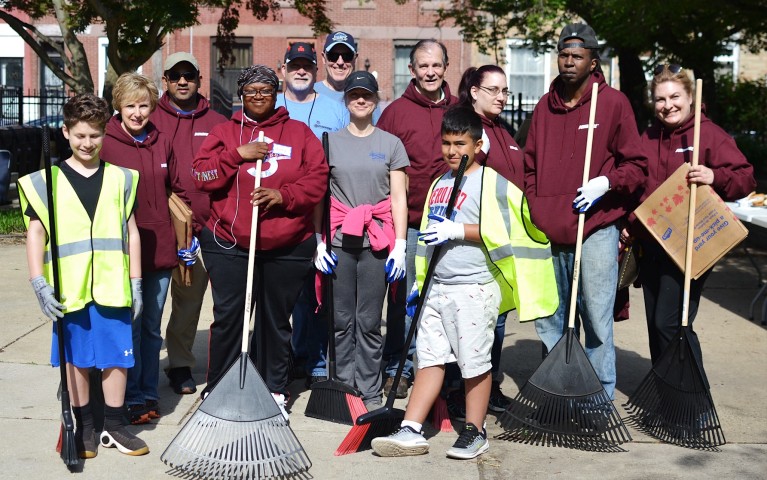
<point x="665" y="212"/>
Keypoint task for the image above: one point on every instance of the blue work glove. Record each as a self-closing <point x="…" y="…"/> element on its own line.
<point x="441" y="231"/>
<point x="590" y="193"/>
<point x="323" y="261"/>
<point x="395" y="263"/>
<point x="45" y="296"/>
<point x="189" y="255"/>
<point x="138" y="298"/>
<point x="412" y="301"/>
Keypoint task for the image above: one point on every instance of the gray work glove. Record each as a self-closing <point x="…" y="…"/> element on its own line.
<point x="48" y="304"/>
<point x="138" y="298"/>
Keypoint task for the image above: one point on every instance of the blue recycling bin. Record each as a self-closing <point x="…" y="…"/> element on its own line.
<point x="5" y="176"/>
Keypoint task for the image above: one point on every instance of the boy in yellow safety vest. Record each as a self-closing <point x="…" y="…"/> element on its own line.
<point x="100" y="270"/>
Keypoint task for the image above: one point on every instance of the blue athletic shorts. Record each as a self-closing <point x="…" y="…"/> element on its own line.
<point x="96" y="336"/>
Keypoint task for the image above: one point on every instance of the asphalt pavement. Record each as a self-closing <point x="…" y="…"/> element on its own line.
<point x="735" y="358"/>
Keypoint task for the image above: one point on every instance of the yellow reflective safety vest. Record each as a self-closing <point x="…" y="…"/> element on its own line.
<point x="519" y="250"/>
<point x="94" y="262"/>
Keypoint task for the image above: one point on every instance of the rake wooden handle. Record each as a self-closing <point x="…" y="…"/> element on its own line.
<point x="251" y="259"/>
<point x="691" y="211"/>
<point x="582" y="215"/>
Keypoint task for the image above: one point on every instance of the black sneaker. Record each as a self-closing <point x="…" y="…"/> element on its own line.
<point x="471" y="443"/>
<point x="138" y="414"/>
<point x="86" y="443"/>
<point x="498" y="402"/>
<point x="181" y="380"/>
<point x="153" y="409"/>
<point x="312" y="379"/>
<point x="124" y="441"/>
<point x="456" y="405"/>
<point x="401" y="388"/>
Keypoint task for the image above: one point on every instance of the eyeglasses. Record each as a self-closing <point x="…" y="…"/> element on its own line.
<point x="333" y="56"/>
<point x="264" y="92"/>
<point x="494" y="91"/>
<point x="176" y="76"/>
<point x="673" y="68"/>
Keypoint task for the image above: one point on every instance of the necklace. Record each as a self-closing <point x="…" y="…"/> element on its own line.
<point x="311" y="109"/>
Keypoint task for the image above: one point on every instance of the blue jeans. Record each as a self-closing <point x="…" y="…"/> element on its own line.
<point x="147" y="340"/>
<point x="397" y="322"/>
<point x="310" y="331"/>
<point x="596" y="297"/>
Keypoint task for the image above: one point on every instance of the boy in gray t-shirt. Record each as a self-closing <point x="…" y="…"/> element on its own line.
<point x="462" y="303"/>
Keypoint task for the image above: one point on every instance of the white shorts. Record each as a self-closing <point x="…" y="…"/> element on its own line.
<point x="458" y="324"/>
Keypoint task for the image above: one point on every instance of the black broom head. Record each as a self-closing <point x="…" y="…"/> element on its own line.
<point x="673" y="403"/>
<point x="564" y="404"/>
<point x="334" y="401"/>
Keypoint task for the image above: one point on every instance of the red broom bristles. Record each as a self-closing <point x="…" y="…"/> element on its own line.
<point x="440" y="418"/>
<point x="353" y="440"/>
<point x="356" y="406"/>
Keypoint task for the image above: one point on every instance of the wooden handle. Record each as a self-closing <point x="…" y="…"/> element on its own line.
<point x="251" y="258"/>
<point x="582" y="215"/>
<point x="691" y="211"/>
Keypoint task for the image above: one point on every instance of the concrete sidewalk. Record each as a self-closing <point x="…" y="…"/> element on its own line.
<point x="735" y="351"/>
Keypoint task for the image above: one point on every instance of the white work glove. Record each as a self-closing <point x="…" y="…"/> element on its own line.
<point x="440" y="232"/>
<point x="45" y="296"/>
<point x="138" y="298"/>
<point x="323" y="261"/>
<point x="189" y="255"/>
<point x="395" y="263"/>
<point x="590" y="193"/>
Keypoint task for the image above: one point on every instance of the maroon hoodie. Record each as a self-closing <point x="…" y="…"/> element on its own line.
<point x="153" y="158"/>
<point x="504" y="155"/>
<point x="667" y="149"/>
<point x="417" y="121"/>
<point x="187" y="131"/>
<point x="295" y="166"/>
<point x="555" y="156"/>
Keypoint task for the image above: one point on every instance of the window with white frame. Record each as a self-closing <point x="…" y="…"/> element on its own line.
<point x="527" y="71"/>
<point x="401" y="61"/>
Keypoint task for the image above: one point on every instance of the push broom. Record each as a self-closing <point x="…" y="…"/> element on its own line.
<point x="383" y="421"/>
<point x="239" y="431"/>
<point x="564" y="402"/>
<point x="66" y="443"/>
<point x="673" y="403"/>
<point x="332" y="399"/>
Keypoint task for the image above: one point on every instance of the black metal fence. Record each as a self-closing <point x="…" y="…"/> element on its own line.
<point x="35" y="108"/>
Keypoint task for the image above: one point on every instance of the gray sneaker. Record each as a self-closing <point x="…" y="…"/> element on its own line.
<point x="403" y="442"/>
<point x="125" y="442"/>
<point x="471" y="443"/>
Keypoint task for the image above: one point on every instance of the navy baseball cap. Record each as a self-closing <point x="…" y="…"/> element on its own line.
<point x="341" y="38"/>
<point x="301" y="50"/>
<point x="579" y="31"/>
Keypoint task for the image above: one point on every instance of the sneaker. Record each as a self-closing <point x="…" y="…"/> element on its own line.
<point x="86" y="443"/>
<point x="456" y="405"/>
<point x="470" y="444"/>
<point x="137" y="414"/>
<point x="401" y="388"/>
<point x="181" y="380"/>
<point x="373" y="404"/>
<point x="403" y="442"/>
<point x="153" y="409"/>
<point x="125" y="442"/>
<point x="281" y="402"/>
<point x="498" y="402"/>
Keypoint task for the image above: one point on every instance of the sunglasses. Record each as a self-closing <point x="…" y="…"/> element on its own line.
<point x="673" y="68"/>
<point x="333" y="56"/>
<point x="176" y="76"/>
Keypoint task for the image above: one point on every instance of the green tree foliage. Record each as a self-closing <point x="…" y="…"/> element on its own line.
<point x="689" y="32"/>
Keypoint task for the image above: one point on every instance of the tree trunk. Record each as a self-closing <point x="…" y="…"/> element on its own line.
<point x="109" y="82"/>
<point x="634" y="86"/>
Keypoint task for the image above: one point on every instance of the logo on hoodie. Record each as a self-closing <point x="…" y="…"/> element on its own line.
<point x="276" y="153"/>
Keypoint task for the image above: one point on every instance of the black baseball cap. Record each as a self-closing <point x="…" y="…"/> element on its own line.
<point x="301" y="50"/>
<point x="361" y="79"/>
<point x="579" y="31"/>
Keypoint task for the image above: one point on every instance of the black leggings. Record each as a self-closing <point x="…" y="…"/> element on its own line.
<point x="279" y="276"/>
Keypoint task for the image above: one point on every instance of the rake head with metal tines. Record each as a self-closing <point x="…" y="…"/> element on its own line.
<point x="237" y="432"/>
<point x="564" y="404"/>
<point x="673" y="403"/>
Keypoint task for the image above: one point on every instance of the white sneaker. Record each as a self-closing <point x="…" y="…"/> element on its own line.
<point x="280" y="400"/>
<point x="403" y="442"/>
